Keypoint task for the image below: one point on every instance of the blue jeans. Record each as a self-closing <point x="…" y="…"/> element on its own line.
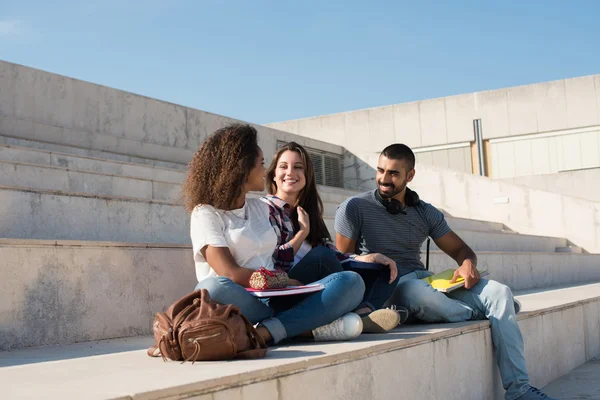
<point x="322" y="261"/>
<point x="343" y="292"/>
<point x="487" y="299"/>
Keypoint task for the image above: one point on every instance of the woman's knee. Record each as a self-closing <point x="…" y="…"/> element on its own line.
<point x="347" y="287"/>
<point x="215" y="285"/>
<point x="354" y="281"/>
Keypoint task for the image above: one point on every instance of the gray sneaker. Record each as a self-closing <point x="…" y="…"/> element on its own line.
<point x="380" y="321"/>
<point x="535" y="394"/>
<point x="348" y="327"/>
<point x="517" y="306"/>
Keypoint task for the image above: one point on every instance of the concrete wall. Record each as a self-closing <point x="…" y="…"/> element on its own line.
<point x="583" y="183"/>
<point x="48" y="108"/>
<point x="430" y="369"/>
<point x="510" y="112"/>
<point x="542" y="154"/>
<point x="457" y="159"/>
<point x="522" y="209"/>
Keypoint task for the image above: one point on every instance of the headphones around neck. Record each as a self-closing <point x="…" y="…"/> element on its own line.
<point x="395" y="207"/>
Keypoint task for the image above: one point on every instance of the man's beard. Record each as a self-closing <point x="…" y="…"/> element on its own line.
<point x="394" y="192"/>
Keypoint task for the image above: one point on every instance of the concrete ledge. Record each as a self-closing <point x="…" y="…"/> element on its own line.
<point x="71" y="291"/>
<point x="58" y="292"/>
<point x="83" y="152"/>
<point x="46" y="177"/>
<point x="418" y="361"/>
<point x="44" y="214"/>
<point x="89" y="164"/>
<point x="507" y="241"/>
<point x="43" y="132"/>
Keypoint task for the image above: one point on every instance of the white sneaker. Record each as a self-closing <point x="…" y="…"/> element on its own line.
<point x="345" y="328"/>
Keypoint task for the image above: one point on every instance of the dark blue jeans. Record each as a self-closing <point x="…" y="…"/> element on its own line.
<point x="321" y="262"/>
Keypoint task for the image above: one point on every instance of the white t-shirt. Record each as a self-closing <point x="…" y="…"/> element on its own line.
<point x="246" y="231"/>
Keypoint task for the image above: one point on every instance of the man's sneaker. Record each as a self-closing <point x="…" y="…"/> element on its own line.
<point x="517" y="306"/>
<point x="348" y="327"/>
<point x="384" y="320"/>
<point x="535" y="394"/>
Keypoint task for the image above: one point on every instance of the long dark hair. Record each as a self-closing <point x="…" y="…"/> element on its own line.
<point x="219" y="169"/>
<point x="308" y="198"/>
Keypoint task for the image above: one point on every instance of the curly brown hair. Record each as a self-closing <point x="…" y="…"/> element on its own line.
<point x="219" y="169"/>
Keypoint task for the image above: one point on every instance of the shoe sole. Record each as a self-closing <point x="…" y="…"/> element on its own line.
<point x="380" y="321"/>
<point x="517" y="306"/>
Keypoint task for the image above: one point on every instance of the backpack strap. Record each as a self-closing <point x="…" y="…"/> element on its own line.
<point x="259" y="349"/>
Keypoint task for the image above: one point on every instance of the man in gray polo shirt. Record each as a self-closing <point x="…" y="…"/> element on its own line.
<point x="393" y="221"/>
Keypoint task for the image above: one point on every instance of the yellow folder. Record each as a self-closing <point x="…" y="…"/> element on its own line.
<point x="441" y="281"/>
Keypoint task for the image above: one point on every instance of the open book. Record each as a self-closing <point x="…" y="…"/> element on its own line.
<point x="441" y="281"/>
<point x="286" y="291"/>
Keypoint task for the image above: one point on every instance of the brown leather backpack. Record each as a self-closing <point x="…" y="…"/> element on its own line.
<point x="195" y="328"/>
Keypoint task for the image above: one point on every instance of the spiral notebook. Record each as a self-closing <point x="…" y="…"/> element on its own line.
<point x="286" y="291"/>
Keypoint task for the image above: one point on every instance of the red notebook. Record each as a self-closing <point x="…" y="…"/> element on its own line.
<point x="287" y="291"/>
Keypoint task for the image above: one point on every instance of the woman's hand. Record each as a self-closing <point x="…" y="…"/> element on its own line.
<point x="294" y="282"/>
<point x="381" y="259"/>
<point x="303" y="220"/>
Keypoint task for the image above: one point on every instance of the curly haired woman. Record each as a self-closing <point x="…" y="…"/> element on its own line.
<point x="232" y="237"/>
<point x="305" y="249"/>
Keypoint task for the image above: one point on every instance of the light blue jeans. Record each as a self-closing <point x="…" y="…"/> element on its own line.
<point x="284" y="319"/>
<point x="487" y="299"/>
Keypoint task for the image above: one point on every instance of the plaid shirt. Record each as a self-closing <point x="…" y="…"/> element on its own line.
<point x="279" y="216"/>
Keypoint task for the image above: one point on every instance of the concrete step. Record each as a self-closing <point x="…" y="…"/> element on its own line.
<point x="70" y="291"/>
<point x="565" y="320"/>
<point x="56" y="292"/>
<point x="330" y="208"/>
<point x="521" y="270"/>
<point x="459" y="224"/>
<point x="506" y="241"/>
<point x="581" y="383"/>
<point x="570" y="249"/>
<point x="86" y="152"/>
<point x="496" y="241"/>
<point x="53" y="215"/>
<point x="88" y="164"/>
<point x="35" y="177"/>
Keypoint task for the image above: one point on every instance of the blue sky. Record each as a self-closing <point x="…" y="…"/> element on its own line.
<point x="268" y="61"/>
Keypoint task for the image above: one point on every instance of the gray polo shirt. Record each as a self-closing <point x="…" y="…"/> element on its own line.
<point x="365" y="220"/>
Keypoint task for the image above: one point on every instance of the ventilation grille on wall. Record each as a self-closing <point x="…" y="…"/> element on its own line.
<point x="327" y="166"/>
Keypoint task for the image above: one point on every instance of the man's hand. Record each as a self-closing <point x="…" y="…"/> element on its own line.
<point x="468" y="272"/>
<point x="381" y="259"/>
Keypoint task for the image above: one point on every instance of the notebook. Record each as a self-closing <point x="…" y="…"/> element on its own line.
<point x="441" y="281"/>
<point x="287" y="291"/>
<point x="353" y="264"/>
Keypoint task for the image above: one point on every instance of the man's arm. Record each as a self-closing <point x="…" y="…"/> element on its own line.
<point x="344" y="244"/>
<point x="455" y="247"/>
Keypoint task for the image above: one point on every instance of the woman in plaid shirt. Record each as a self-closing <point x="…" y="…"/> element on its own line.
<point x="304" y="247"/>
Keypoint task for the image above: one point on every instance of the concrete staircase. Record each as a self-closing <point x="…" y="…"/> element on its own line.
<point x="94" y="247"/>
<point x="94" y="241"/>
